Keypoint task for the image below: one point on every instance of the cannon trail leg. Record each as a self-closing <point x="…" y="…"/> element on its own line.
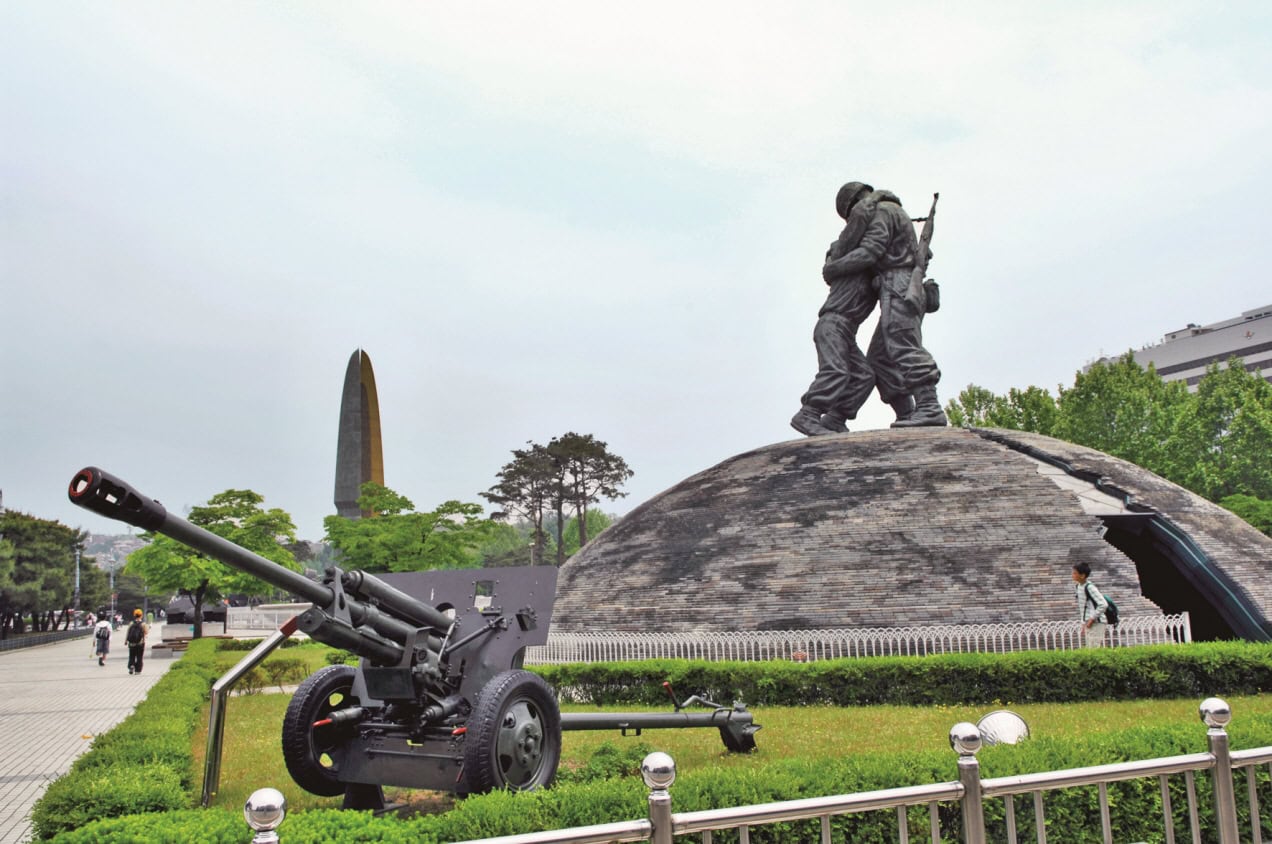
<point x="513" y="738"/>
<point x="306" y="748"/>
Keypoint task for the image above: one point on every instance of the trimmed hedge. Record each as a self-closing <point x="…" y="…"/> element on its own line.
<point x="145" y="753"/>
<point x="143" y="764"/>
<point x="1165" y="671"/>
<point x="1071" y="814"/>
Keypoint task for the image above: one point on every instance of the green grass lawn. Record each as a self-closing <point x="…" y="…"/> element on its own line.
<point x="252" y="756"/>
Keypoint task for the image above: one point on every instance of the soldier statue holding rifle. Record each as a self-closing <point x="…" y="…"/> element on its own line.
<point x="877" y="257"/>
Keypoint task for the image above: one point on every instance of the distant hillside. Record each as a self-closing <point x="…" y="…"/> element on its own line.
<point x="111" y="549"/>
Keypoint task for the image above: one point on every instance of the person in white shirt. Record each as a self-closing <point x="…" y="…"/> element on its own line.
<point x="1091" y="606"/>
<point x="101" y="635"/>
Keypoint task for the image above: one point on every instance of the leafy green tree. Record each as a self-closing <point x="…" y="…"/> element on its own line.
<point x="397" y="538"/>
<point x="1122" y="409"/>
<point x="588" y="471"/>
<point x="1223" y="441"/>
<point x="42" y="582"/>
<point x="542" y="483"/>
<point x="236" y="515"/>
<point x="1215" y="442"/>
<point x="1031" y="409"/>
<point x="976" y="407"/>
<point x="509" y="544"/>
<point x="597" y="521"/>
<point x="1256" y="511"/>
<point x="7" y="585"/>
<point x="525" y="489"/>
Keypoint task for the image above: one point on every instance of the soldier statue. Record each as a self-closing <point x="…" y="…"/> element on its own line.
<point x="876" y="258"/>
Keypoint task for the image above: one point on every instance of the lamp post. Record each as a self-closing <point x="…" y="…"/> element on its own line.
<point x="77" y="578"/>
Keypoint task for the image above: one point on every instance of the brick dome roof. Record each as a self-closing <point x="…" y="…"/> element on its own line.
<point x="900" y="528"/>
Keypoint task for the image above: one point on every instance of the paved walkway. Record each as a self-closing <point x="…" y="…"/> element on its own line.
<point x="53" y="700"/>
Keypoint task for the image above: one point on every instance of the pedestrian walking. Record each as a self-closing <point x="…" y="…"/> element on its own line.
<point x="136" y="639"/>
<point x="1092" y="606"/>
<point x="101" y="638"/>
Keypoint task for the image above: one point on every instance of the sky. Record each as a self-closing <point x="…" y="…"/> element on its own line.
<point x="577" y="216"/>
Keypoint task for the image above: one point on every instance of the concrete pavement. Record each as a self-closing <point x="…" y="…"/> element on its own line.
<point x="54" y="699"/>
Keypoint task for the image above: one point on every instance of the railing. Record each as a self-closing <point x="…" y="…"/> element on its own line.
<point x="261" y="618"/>
<point x="810" y="645"/>
<point x="29" y="640"/>
<point x="266" y="807"/>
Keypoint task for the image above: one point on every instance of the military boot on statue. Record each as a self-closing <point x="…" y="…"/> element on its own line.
<point x="808" y="421"/>
<point x="903" y="407"/>
<point x="927" y="410"/>
<point x="834" y="423"/>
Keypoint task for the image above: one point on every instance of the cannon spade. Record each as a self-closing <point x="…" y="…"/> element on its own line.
<point x="439" y="699"/>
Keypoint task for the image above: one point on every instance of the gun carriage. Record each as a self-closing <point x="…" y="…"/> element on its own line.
<point x="439" y="699"/>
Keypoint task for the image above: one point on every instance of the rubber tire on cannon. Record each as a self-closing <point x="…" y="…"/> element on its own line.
<point x="513" y="738"/>
<point x="305" y="745"/>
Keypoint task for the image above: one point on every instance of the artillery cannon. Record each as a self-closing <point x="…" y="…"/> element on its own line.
<point x="439" y="699"/>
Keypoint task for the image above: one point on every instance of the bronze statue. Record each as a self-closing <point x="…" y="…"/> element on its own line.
<point x="844" y="377"/>
<point x="877" y="257"/>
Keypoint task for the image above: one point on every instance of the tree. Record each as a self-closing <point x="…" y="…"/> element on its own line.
<point x="509" y="544"/>
<point x="590" y="472"/>
<point x="1215" y="442"/>
<point x="7" y="584"/>
<point x="1256" y="511"/>
<point x="236" y="515"/>
<point x="542" y="482"/>
<point x="1224" y="437"/>
<point x="597" y="521"/>
<point x="1122" y="409"/>
<point x="525" y="489"/>
<point x="42" y="581"/>
<point x="396" y="538"/>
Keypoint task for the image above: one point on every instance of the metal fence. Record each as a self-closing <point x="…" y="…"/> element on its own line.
<point x="265" y="619"/>
<point x="810" y="645"/>
<point x="266" y="808"/>
<point x="969" y="790"/>
<point x="29" y="640"/>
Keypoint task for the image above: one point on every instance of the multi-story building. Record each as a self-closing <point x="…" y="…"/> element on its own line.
<point x="1184" y="354"/>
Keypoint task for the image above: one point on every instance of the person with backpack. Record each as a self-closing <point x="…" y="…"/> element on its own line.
<point x="1092" y="606"/>
<point x="101" y="637"/>
<point x="136" y="639"/>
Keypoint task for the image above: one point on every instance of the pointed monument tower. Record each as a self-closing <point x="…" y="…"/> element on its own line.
<point x="359" y="457"/>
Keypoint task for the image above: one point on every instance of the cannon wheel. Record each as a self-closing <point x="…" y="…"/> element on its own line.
<point x="513" y="738"/>
<point x="306" y="749"/>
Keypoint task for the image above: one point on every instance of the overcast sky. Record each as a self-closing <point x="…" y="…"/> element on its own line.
<point x="603" y="218"/>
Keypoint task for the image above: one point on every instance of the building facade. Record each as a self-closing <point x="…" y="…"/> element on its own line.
<point x="1184" y="354"/>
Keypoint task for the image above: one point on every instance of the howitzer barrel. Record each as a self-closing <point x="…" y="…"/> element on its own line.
<point x="107" y="495"/>
<point x="397" y="617"/>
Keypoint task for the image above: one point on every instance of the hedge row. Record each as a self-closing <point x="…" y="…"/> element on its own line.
<point x="149" y="760"/>
<point x="145" y="763"/>
<point x="1071" y="814"/>
<point x="1165" y="671"/>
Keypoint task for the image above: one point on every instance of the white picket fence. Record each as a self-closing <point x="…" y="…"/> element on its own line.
<point x="809" y="645"/>
<point x="806" y="645"/>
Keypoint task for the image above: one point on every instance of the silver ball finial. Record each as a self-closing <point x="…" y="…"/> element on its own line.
<point x="965" y="738"/>
<point x="658" y="770"/>
<point x="1215" y="712"/>
<point x="264" y="811"/>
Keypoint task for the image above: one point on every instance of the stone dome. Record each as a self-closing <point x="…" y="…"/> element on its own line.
<point x="899" y="528"/>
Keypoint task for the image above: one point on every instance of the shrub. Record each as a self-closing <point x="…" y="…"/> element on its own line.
<point x="145" y="763"/>
<point x="93" y="792"/>
<point x="603" y="790"/>
<point x="1025" y="677"/>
